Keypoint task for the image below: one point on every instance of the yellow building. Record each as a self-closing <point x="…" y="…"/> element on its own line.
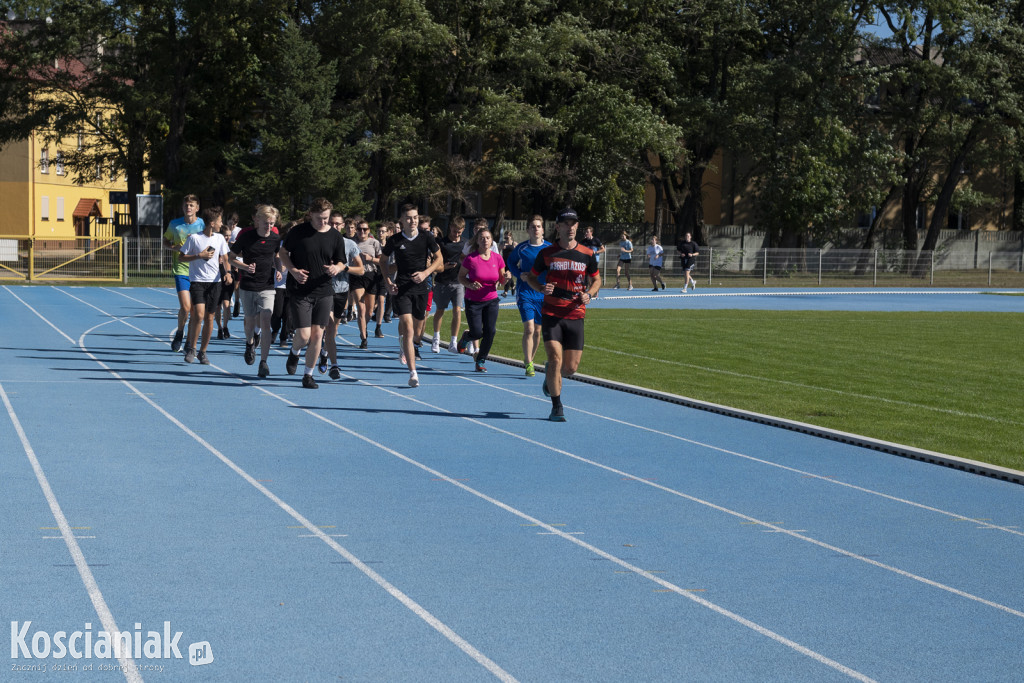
<point x="39" y="198"/>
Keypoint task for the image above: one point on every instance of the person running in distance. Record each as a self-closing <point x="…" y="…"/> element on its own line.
<point x="416" y="256"/>
<point x="507" y="245"/>
<point x="206" y="253"/>
<point x="177" y="232"/>
<point x="447" y="288"/>
<point x="573" y="279"/>
<point x="340" y="284"/>
<point x="688" y="253"/>
<point x="655" y="260"/>
<point x="366" y="287"/>
<point x="229" y="283"/>
<point x="625" y="259"/>
<point x="529" y="300"/>
<point x="254" y="254"/>
<point x="312" y="253"/>
<point x="481" y="273"/>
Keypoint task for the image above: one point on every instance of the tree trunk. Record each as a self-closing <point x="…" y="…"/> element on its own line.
<point x="1018" y="200"/>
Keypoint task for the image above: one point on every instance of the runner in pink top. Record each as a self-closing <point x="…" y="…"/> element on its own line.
<point x="482" y="272"/>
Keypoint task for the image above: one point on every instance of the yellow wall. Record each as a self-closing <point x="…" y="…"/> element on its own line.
<point x="23" y="188"/>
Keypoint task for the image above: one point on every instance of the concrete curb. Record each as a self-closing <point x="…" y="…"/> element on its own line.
<point x="952" y="461"/>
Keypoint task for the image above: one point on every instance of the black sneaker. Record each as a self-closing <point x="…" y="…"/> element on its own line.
<point x="220" y="333"/>
<point x="309" y="383"/>
<point x="335" y="372"/>
<point x="363" y="344"/>
<point x="203" y="360"/>
<point x="544" y="388"/>
<point x="227" y="333"/>
<point x="176" y="342"/>
<point x="292" y="363"/>
<point x="190" y="355"/>
<point x="416" y="352"/>
<point x="557" y="415"/>
<point x="250" y="353"/>
<point x="264" y="370"/>
<point x="321" y="365"/>
<point x="378" y="333"/>
<point x="387" y="318"/>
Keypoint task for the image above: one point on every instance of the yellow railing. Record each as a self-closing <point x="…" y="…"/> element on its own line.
<point x="82" y="259"/>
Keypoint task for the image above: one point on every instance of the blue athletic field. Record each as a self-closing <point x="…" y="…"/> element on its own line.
<point x="368" y="531"/>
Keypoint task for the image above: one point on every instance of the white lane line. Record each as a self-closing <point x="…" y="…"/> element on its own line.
<point x="719" y="508"/>
<point x="1011" y="529"/>
<point x="818" y="657"/>
<point x="392" y="590"/>
<point x="131" y="673"/>
<point x="41" y="316"/>
<point x="1008" y="529"/>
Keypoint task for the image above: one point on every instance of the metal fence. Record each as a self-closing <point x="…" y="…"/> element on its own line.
<point x="82" y="259"/>
<point x="147" y="262"/>
<point x="832" y="267"/>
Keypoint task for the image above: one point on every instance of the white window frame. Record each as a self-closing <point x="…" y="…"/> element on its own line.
<point x="58" y="164"/>
<point x="44" y="161"/>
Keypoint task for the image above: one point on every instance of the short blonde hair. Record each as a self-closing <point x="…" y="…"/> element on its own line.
<point x="268" y="210"/>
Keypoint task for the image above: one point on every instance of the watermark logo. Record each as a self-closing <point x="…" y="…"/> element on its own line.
<point x="87" y="644"/>
<point x="200" y="653"/>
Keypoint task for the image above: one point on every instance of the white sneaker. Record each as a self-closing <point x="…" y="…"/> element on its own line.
<point x="694" y="285"/>
<point x="454" y="346"/>
<point x="631" y="288"/>
<point x="683" y="290"/>
<point x="471" y="349"/>
<point x="435" y="345"/>
<point x="414" y="380"/>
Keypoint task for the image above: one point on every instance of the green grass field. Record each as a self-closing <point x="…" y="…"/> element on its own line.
<point x="946" y="382"/>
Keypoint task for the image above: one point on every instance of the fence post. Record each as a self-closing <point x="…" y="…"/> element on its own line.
<point x="819" y="267"/>
<point x="124" y="261"/>
<point x="931" y="280"/>
<point x="711" y="262"/>
<point x="764" y="269"/>
<point x="31" y="258"/>
<point x="990" y="269"/>
<point x="874" y="275"/>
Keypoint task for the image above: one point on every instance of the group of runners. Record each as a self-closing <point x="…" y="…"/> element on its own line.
<point x="313" y="275"/>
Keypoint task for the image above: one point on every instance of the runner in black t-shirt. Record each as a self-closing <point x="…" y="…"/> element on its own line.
<point x="447" y="290"/>
<point x="254" y="254"/>
<point x="313" y="253"/>
<point x="416" y="257"/>
<point x="688" y="253"/>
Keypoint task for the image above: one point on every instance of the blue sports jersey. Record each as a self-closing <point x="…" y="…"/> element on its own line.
<point x="521" y="261"/>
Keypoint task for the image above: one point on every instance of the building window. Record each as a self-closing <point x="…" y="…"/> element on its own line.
<point x="44" y="211"/>
<point x="81" y="141"/>
<point x="60" y="208"/>
<point x="44" y="161"/>
<point x="58" y="163"/>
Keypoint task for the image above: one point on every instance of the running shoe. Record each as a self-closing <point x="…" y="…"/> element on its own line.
<point x="378" y="333"/>
<point x="463" y="345"/>
<point x="694" y="285"/>
<point x="557" y="415"/>
<point x="616" y="286"/>
<point x="414" y="380"/>
<point x="190" y="355"/>
<point x="250" y="353"/>
<point x="387" y="318"/>
<point x="292" y="363"/>
<point x="453" y="347"/>
<point x="220" y="333"/>
<point x="203" y="360"/>
<point x="530" y="371"/>
<point x="335" y="372"/>
<point x="416" y="351"/>
<point x="631" y="288"/>
<point x="321" y="365"/>
<point x="176" y="342"/>
<point x="227" y="332"/>
<point x="283" y="342"/>
<point x="544" y="388"/>
<point x="655" y="289"/>
<point x="255" y="337"/>
<point x="435" y="346"/>
<point x="362" y="343"/>
<point x="309" y="383"/>
<point x="264" y="370"/>
<point x="471" y="349"/>
<point x="480" y="366"/>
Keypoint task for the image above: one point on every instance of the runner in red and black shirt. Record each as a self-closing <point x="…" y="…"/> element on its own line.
<point x="572" y="281"/>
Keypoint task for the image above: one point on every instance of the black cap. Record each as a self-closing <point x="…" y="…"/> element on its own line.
<point x="567" y="215"/>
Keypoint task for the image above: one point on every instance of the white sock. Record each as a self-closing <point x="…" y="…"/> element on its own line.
<point x="309" y="371"/>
